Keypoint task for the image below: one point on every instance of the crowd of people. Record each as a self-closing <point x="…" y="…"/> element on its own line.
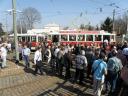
<point x="101" y="65"/>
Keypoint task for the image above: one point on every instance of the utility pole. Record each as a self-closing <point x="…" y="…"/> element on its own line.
<point x="15" y="29"/>
<point x="20" y="26"/>
<point x="127" y="21"/>
<point x="6" y="22"/>
<point x="113" y="20"/>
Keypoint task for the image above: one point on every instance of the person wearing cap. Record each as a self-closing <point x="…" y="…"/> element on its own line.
<point x="81" y="64"/>
<point x="114" y="67"/>
<point x="105" y="43"/>
<point x="3" y="55"/>
<point x="110" y="52"/>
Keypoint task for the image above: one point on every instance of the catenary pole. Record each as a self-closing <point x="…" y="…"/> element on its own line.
<point x="15" y="29"/>
<point x="127" y="21"/>
<point x="113" y="20"/>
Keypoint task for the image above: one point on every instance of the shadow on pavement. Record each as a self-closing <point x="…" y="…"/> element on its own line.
<point x="65" y="90"/>
<point x="29" y="70"/>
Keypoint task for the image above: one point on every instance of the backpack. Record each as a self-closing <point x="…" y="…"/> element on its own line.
<point x="80" y="62"/>
<point x="115" y="63"/>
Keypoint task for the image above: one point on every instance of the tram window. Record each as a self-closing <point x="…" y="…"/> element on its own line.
<point x="40" y="39"/>
<point x="19" y="39"/>
<point x="55" y="38"/>
<point x="98" y="38"/>
<point x="89" y="38"/>
<point x="23" y="39"/>
<point x="28" y="39"/>
<point x="33" y="38"/>
<point x="64" y="38"/>
<point x="81" y="37"/>
<point x="72" y="37"/>
<point x="112" y="38"/>
<point x="106" y="37"/>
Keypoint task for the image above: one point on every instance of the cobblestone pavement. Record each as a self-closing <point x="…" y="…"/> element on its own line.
<point x="14" y="81"/>
<point x="17" y="81"/>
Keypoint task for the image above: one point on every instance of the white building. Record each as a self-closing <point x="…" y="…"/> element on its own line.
<point x="47" y="28"/>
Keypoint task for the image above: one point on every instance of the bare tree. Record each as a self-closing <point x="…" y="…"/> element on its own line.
<point x="1" y="30"/>
<point x="121" y="25"/>
<point x="21" y="28"/>
<point x="29" y="17"/>
<point x="82" y="26"/>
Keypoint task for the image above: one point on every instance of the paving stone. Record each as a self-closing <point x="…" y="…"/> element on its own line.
<point x="89" y="91"/>
<point x="16" y="82"/>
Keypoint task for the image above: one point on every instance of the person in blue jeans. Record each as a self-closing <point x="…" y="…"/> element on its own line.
<point x="25" y="54"/>
<point x="99" y="68"/>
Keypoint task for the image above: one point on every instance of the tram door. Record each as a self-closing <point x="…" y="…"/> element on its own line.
<point x="55" y="38"/>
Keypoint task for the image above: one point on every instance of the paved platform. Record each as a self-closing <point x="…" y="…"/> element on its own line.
<point x="17" y="81"/>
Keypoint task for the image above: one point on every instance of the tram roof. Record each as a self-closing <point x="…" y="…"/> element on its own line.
<point x="64" y="32"/>
<point x="86" y="32"/>
<point x="26" y="34"/>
